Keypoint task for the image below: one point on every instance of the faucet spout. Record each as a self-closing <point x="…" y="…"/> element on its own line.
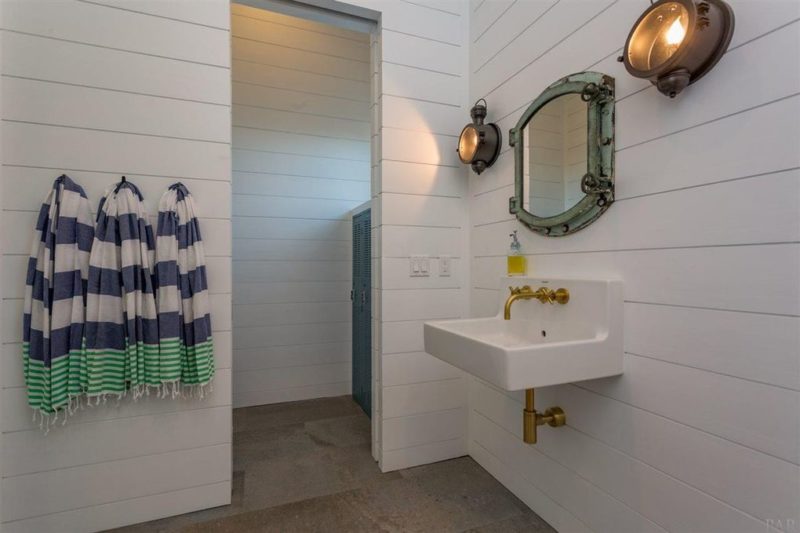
<point x="516" y="294"/>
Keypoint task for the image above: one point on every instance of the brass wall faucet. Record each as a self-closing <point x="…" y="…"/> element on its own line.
<point x="543" y="294"/>
<point x="553" y="416"/>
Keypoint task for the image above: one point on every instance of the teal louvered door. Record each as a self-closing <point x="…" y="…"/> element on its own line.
<point x="361" y="297"/>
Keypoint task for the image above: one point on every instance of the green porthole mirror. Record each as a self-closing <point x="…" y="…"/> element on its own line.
<point x="564" y="155"/>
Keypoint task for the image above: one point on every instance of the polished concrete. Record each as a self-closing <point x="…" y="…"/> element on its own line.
<point x="307" y="466"/>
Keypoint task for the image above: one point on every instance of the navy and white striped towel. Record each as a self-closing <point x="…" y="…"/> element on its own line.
<point x="122" y="350"/>
<point x="187" y="351"/>
<point x="55" y="292"/>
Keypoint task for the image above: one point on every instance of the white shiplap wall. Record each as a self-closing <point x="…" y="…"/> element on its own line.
<point x="701" y="431"/>
<point x="419" y="208"/>
<point x="301" y="162"/>
<point x="84" y="93"/>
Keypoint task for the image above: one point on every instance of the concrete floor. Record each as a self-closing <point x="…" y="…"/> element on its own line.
<point x="307" y="466"/>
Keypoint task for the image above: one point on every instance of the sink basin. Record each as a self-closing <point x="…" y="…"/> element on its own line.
<point x="542" y="344"/>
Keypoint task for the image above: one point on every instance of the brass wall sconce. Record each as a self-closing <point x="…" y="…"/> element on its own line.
<point x="479" y="143"/>
<point x="676" y="42"/>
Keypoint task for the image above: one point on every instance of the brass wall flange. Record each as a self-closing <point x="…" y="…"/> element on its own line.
<point x="554" y="417"/>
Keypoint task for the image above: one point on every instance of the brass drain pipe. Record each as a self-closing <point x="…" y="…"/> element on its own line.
<point x="553" y="417"/>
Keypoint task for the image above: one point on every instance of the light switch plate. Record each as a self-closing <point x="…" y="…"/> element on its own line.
<point x="419" y="266"/>
<point x="445" y="266"/>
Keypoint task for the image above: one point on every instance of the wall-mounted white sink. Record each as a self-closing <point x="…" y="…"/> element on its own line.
<point x="542" y="344"/>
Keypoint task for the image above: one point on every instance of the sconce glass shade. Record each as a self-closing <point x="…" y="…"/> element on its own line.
<point x="658" y="36"/>
<point x="468" y="144"/>
<point x="676" y="42"/>
<point x="479" y="143"/>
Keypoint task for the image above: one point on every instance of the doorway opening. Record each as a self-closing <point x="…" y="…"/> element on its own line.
<point x="302" y="144"/>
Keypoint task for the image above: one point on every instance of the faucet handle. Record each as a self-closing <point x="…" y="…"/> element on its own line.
<point x="561" y="296"/>
<point x="514" y="290"/>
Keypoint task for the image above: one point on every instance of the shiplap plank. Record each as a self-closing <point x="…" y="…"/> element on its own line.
<point x="407" y="82"/>
<point x="289" y="356"/>
<point x="288" y="250"/>
<point x="297" y="229"/>
<point x="283" y="271"/>
<point x="150" y="474"/>
<point x="421" y="429"/>
<point x="261" y="53"/>
<point x="416" y="304"/>
<point x="39" y="181"/>
<point x="404" y="241"/>
<point x="80" y="64"/>
<point x="488" y="15"/>
<point x="83" y="107"/>
<point x="251" y="97"/>
<point x="431" y="24"/>
<point x="298" y="186"/>
<point x="121" y="29"/>
<point x="290" y="292"/>
<point x="293" y="394"/>
<point x="26" y="452"/>
<point x="277" y="77"/>
<point x="248" y="26"/>
<point x="298" y="165"/>
<point x="323" y="147"/>
<point x="277" y="314"/>
<point x="300" y="123"/>
<point x="415" y="367"/>
<point x="402" y="337"/>
<point x="127" y="512"/>
<point x="211" y="13"/>
<point x="285" y="335"/>
<point x="420" y="116"/>
<point x="422" y="454"/>
<point x="290" y="377"/>
<point x="412" y="399"/>
<point x="419" y="147"/>
<point x="283" y="207"/>
<point x="413" y="210"/>
<point x="58" y="147"/>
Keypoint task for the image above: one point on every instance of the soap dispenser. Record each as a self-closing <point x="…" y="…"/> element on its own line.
<point x="517" y="263"/>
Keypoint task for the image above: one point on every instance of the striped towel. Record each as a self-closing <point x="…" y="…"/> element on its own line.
<point x="184" y="320"/>
<point x="121" y="323"/>
<point x="55" y="292"/>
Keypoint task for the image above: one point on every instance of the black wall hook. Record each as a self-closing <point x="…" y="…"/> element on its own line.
<point x="120" y="184"/>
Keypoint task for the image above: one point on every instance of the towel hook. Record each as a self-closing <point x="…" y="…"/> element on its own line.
<point x="120" y="184"/>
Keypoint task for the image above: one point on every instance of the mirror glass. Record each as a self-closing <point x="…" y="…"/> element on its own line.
<point x="555" y="156"/>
